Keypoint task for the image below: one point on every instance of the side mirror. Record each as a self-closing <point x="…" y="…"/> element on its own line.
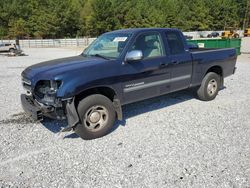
<point x="134" y="55"/>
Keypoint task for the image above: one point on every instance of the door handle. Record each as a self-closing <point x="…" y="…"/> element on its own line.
<point x="163" y="65"/>
<point x="175" y="62"/>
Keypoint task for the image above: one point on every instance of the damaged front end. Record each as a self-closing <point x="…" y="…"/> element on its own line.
<point x="41" y="100"/>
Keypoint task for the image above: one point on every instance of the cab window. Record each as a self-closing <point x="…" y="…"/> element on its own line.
<point x="149" y="44"/>
<point x="175" y="43"/>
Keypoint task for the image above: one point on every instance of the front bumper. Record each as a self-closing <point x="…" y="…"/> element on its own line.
<point x="31" y="108"/>
<point x="37" y="111"/>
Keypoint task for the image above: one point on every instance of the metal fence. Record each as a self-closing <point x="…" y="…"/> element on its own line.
<point x="46" y="43"/>
<point x="83" y="42"/>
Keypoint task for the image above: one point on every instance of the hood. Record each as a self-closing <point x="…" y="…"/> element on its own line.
<point x="54" y="68"/>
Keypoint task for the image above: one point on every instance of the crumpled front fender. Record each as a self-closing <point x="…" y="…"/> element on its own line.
<point x="72" y="115"/>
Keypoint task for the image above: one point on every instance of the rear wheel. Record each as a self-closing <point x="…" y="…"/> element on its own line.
<point x="209" y="87"/>
<point x="97" y="115"/>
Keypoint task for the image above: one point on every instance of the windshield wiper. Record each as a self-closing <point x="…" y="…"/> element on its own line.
<point x="101" y="56"/>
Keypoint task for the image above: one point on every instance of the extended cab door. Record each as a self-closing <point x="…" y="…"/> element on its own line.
<point x="180" y="60"/>
<point x="149" y="76"/>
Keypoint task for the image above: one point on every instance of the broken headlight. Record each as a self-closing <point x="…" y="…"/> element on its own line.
<point x="46" y="90"/>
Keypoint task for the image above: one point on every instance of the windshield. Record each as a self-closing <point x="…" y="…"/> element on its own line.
<point x="109" y="45"/>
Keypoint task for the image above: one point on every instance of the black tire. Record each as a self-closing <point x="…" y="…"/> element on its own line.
<point x="12" y="50"/>
<point x="236" y="36"/>
<point x="205" y="91"/>
<point x="100" y="106"/>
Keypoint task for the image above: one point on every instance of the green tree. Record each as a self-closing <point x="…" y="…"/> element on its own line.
<point x="102" y="18"/>
<point x="71" y="18"/>
<point x="18" y="28"/>
<point x="224" y="14"/>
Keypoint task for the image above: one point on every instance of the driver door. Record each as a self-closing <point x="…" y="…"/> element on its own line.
<point x="149" y="76"/>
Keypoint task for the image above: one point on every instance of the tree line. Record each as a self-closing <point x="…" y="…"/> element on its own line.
<point x="74" y="18"/>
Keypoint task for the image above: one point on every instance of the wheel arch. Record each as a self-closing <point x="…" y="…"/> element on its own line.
<point x="106" y="91"/>
<point x="103" y="90"/>
<point x="71" y="106"/>
<point x="218" y="70"/>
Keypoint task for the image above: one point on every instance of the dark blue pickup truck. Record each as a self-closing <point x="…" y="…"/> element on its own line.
<point x="118" y="68"/>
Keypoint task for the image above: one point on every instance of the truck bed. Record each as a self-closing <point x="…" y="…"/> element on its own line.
<point x="207" y="57"/>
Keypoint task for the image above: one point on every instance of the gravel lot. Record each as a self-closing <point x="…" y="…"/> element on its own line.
<point x="170" y="141"/>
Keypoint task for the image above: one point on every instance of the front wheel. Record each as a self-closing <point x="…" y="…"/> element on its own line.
<point x="209" y="87"/>
<point x="97" y="115"/>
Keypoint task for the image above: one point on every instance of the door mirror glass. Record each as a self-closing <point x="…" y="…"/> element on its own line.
<point x="134" y="55"/>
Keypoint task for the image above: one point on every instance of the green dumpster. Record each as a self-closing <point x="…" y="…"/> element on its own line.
<point x="218" y="43"/>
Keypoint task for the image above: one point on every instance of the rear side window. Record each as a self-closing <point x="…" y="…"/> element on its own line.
<point x="175" y="43"/>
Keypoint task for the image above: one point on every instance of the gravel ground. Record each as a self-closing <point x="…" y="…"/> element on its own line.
<point x="170" y="141"/>
<point x="245" y="45"/>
